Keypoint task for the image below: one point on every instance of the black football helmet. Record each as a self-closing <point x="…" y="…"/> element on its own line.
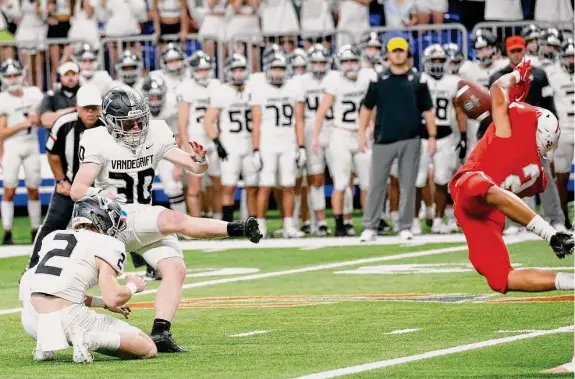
<point x="87" y="58"/>
<point x="319" y="60"/>
<point x="173" y="59"/>
<point x="126" y="114"/>
<point x="154" y="89"/>
<point x="200" y="62"/>
<point x="236" y="70"/>
<point x="101" y="212"/>
<point x="129" y="67"/>
<point x="12" y="75"/>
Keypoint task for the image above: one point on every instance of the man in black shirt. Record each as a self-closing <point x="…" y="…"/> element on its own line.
<point x="401" y="98"/>
<point x="540" y="95"/>
<point x="64" y="159"/>
<point x="63" y="99"/>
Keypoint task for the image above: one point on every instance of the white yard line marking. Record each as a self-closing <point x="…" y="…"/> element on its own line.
<point x="520" y="331"/>
<point x="255" y="332"/>
<point x="402" y="331"/>
<point x="432" y="354"/>
<point x="10" y="311"/>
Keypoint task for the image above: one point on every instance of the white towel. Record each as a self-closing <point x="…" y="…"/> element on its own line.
<point x="51" y="334"/>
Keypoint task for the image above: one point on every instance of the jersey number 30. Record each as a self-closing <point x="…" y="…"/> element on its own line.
<point x="143" y="185"/>
<point x="71" y="242"/>
<point x="517" y="184"/>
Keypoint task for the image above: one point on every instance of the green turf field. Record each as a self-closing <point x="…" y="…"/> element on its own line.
<point x="288" y="312"/>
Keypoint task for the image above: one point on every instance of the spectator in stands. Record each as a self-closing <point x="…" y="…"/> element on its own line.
<point x="64" y="159"/>
<point x="353" y="17"/>
<point x="170" y="17"/>
<point x="122" y="22"/>
<point x="472" y="12"/>
<point x="554" y="11"/>
<point x="399" y="13"/>
<point x="8" y="15"/>
<point x="243" y="27"/>
<point x="213" y="26"/>
<point x="63" y="98"/>
<point x="58" y="13"/>
<point x="316" y="19"/>
<point x="402" y="99"/>
<point x="503" y="10"/>
<point x="31" y="38"/>
<point x="279" y="21"/>
<point x="84" y="24"/>
<point x="431" y="11"/>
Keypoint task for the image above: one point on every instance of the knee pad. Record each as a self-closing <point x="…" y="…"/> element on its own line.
<point x="317" y="196"/>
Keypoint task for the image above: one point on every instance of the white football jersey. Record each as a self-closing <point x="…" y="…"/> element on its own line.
<point x="169" y="112"/>
<point x="348" y="95"/>
<point x="473" y="71"/>
<point x="172" y="82"/>
<point x="314" y="90"/>
<point x="101" y="79"/>
<point x="442" y="92"/>
<point x="67" y="266"/>
<point x="256" y="79"/>
<point x="235" y="116"/>
<point x="17" y="109"/>
<point x="198" y="97"/>
<point x="278" y="110"/>
<point x="121" y="170"/>
<point x="563" y="95"/>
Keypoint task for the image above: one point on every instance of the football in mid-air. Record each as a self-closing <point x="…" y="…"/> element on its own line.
<point x="474" y="100"/>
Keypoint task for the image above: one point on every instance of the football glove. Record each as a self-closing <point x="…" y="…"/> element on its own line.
<point x="520" y="90"/>
<point x="462" y="146"/>
<point x="257" y="160"/>
<point x="562" y="244"/>
<point x="301" y="157"/>
<point x="222" y="153"/>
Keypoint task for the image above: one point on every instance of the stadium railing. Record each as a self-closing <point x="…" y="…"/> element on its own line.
<point x="504" y="29"/>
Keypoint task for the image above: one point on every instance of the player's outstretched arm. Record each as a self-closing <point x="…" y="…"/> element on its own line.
<point x="83" y="181"/>
<point x="113" y="293"/>
<point x="194" y="161"/>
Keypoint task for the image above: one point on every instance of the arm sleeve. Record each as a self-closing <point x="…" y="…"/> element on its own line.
<point x="424" y="98"/>
<point x="89" y="150"/>
<point x="110" y="250"/>
<point x="370" y="99"/>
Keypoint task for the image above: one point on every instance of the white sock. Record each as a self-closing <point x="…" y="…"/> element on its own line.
<point x="429" y="212"/>
<point x="449" y="213"/>
<point x="348" y="222"/>
<point x="179" y="207"/>
<point x="296" y="208"/>
<point x="34" y="211"/>
<point x="244" y="205"/>
<point x="103" y="340"/>
<point x="312" y="218"/>
<point x="541" y="227"/>
<point x="263" y="226"/>
<point x="317" y="198"/>
<point x="7" y="209"/>
<point x="564" y="281"/>
<point x="348" y="201"/>
<point x="289" y="222"/>
<point x="217" y="216"/>
<point x="394" y="217"/>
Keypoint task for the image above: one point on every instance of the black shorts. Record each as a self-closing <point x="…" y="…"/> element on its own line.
<point x="60" y="30"/>
<point x="166" y="29"/>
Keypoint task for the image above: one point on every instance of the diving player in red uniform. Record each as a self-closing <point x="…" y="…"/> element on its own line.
<point x="506" y="165"/>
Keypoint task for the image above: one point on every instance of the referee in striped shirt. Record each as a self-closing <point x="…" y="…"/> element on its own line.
<point x="63" y="157"/>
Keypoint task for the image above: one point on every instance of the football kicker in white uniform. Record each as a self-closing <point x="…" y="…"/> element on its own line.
<point x="345" y="90"/>
<point x="55" y="305"/>
<point x="163" y="106"/>
<point x="18" y="121"/>
<point x="87" y="59"/>
<point x="443" y="89"/>
<point x="230" y="105"/>
<point x="193" y="101"/>
<point x="277" y="112"/>
<point x="121" y="160"/>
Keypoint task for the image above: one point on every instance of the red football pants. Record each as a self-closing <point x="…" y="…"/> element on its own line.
<point x="483" y="226"/>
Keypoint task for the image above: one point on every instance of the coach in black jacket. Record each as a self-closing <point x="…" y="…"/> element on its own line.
<point x="540" y="95"/>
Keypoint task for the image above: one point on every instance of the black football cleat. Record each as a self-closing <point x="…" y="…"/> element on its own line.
<point x="33" y="234"/>
<point x="562" y="244"/>
<point x="252" y="230"/>
<point x="165" y="343"/>
<point x="340" y="232"/>
<point x="153" y="273"/>
<point x="7" y="240"/>
<point x="138" y="260"/>
<point x="349" y="230"/>
<point x="306" y="229"/>
<point x="383" y="227"/>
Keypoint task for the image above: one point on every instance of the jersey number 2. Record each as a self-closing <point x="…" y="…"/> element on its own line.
<point x="71" y="242"/>
<point x="516" y="184"/>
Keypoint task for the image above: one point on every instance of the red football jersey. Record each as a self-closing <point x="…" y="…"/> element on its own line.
<point x="513" y="163"/>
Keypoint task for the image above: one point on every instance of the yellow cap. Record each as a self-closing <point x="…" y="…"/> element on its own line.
<point x="397" y="43"/>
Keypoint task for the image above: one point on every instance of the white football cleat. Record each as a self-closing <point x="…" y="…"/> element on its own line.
<point x="560" y="228"/>
<point x="292" y="232"/>
<point x="82" y="353"/>
<point x="405" y="235"/>
<point x="395" y="222"/>
<point x="416" y="227"/>
<point x="438" y="226"/>
<point x="368" y="235"/>
<point x="39" y="355"/>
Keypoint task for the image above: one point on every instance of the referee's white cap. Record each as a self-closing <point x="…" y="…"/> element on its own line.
<point x="88" y="95"/>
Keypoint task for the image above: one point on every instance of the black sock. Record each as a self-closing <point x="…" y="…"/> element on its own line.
<point x="236" y="229"/>
<point x="338" y="221"/>
<point x="228" y="213"/>
<point x="161" y="325"/>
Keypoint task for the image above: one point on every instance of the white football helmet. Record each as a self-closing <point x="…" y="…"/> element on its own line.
<point x="548" y="131"/>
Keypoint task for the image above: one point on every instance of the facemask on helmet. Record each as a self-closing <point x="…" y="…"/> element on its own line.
<point x="173" y="60"/>
<point x="348" y="62"/>
<point x="319" y="61"/>
<point x="549" y="44"/>
<point x="276" y="70"/>
<point x="100" y="212"/>
<point x="12" y="75"/>
<point x="548" y="131"/>
<point x="567" y="57"/>
<point x="129" y="68"/>
<point x="202" y="68"/>
<point x="236" y="70"/>
<point x="127" y="116"/>
<point x="299" y="62"/>
<point x="434" y="61"/>
<point x="87" y="59"/>
<point x="530" y="34"/>
<point x="154" y="90"/>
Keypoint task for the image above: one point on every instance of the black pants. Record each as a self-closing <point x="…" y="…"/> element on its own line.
<point x="58" y="217"/>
